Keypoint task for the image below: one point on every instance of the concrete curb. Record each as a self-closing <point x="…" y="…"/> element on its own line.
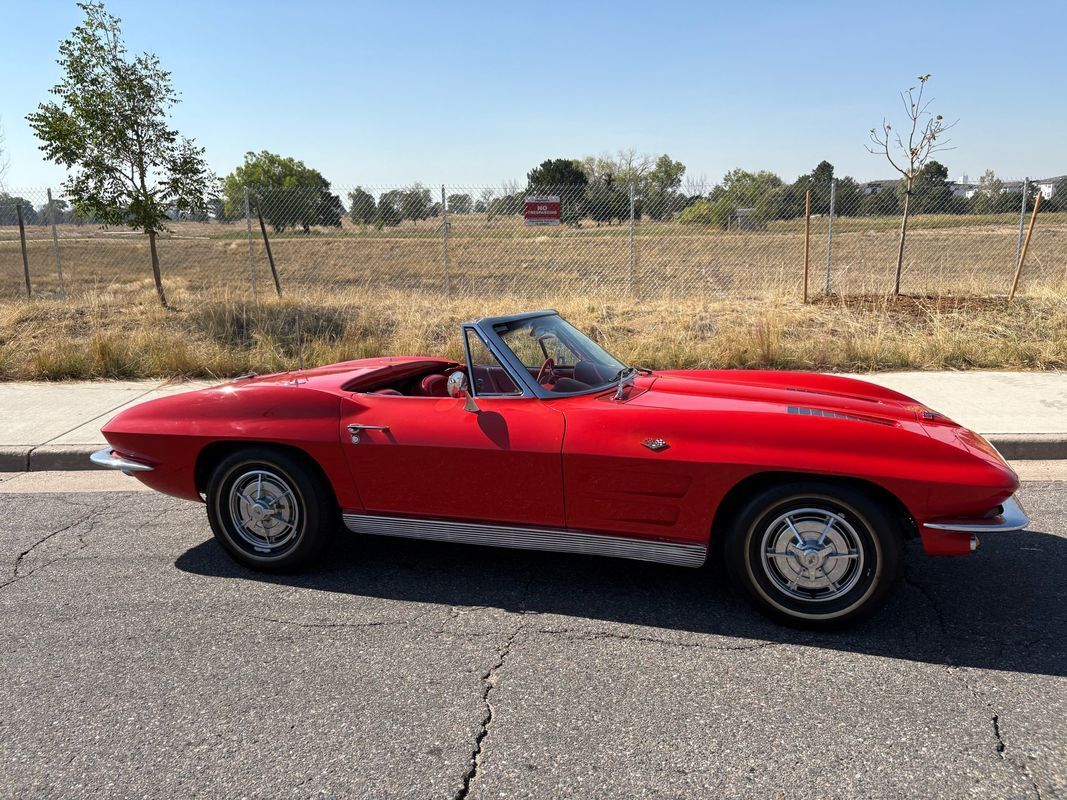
<point x="1013" y="446"/>
<point x="1030" y="446"/>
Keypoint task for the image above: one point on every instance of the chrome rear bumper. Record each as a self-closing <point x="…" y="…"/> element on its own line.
<point x="1011" y="518"/>
<point x="107" y="458"/>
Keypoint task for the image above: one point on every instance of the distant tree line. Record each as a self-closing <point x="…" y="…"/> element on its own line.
<point x="293" y="196"/>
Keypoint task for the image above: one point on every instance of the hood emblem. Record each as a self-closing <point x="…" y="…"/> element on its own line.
<point x="655" y="445"/>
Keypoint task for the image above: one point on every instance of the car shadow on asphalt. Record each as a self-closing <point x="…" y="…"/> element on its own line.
<point x="1003" y="608"/>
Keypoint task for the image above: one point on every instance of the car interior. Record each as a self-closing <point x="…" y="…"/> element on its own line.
<point x="432" y="381"/>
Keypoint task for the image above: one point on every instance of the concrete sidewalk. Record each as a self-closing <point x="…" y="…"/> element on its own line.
<point x="55" y="426"/>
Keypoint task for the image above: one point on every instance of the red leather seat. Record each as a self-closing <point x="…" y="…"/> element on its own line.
<point x="388" y="392"/>
<point x="434" y="386"/>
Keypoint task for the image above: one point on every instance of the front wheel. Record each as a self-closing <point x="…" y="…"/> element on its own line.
<point x="268" y="510"/>
<point x="814" y="554"/>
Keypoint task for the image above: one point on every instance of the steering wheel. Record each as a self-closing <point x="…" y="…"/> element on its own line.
<point x="547" y="371"/>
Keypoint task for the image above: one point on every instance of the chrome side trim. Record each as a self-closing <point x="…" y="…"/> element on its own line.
<point x="106" y="458"/>
<point x="1012" y="518"/>
<point x="556" y="540"/>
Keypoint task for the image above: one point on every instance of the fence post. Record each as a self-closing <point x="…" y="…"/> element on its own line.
<point x="1022" y="218"/>
<point x="248" y="231"/>
<point x="633" y="250"/>
<point x="445" y="226"/>
<point x="830" y="235"/>
<point x="25" y="258"/>
<point x="270" y="255"/>
<point x="55" y="244"/>
<point x="807" y="238"/>
<point x="1026" y="244"/>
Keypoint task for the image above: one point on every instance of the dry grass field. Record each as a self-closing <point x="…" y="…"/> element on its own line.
<point x="945" y="254"/>
<point x="125" y="334"/>
<point x="704" y="297"/>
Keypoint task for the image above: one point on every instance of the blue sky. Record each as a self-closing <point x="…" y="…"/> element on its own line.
<point x="476" y="93"/>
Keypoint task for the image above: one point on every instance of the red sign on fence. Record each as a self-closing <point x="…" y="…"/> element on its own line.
<point x="541" y="209"/>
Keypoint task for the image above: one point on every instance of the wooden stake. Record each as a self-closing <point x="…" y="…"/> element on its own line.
<point x="270" y="256"/>
<point x="1026" y="244"/>
<point x="807" y="238"/>
<point x="25" y="258"/>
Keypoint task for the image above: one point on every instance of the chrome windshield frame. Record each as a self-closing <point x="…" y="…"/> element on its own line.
<point x="486" y="329"/>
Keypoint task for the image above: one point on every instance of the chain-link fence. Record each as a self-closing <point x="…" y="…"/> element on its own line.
<point x="607" y="239"/>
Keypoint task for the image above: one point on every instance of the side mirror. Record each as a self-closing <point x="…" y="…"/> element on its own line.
<point x="458" y="387"/>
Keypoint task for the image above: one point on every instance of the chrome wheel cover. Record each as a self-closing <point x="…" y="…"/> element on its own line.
<point x="264" y="512"/>
<point x="812" y="554"/>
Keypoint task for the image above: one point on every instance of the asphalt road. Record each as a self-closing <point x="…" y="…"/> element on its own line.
<point x="138" y="661"/>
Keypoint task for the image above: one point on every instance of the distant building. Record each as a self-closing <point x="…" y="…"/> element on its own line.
<point x="962" y="187"/>
<point x="877" y="187"/>
<point x="1048" y="185"/>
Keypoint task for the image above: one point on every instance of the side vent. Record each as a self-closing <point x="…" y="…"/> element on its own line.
<point x="822" y="412"/>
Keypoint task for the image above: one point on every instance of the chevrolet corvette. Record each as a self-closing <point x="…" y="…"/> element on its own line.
<point x="805" y="486"/>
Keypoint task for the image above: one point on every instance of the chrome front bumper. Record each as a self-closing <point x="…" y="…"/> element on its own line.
<point x="107" y="458"/>
<point x="1011" y="518"/>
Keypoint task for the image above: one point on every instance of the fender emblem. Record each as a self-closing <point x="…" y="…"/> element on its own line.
<point x="655" y="445"/>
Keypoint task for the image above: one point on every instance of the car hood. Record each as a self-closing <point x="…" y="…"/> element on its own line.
<point x="790" y="392"/>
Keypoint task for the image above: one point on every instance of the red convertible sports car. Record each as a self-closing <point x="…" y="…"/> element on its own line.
<point x="805" y="485"/>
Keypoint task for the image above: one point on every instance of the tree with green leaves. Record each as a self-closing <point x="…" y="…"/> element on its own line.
<point x="330" y="210"/>
<point x="285" y="190"/>
<point x="9" y="212"/>
<point x="931" y="192"/>
<point x="361" y="206"/>
<point x="109" y="125"/>
<point x="460" y="204"/>
<point x="923" y="135"/>
<point x="415" y="203"/>
<point x="388" y="215"/>
<point x="661" y="196"/>
<point x="607" y="200"/>
<point x="740" y="188"/>
<point x="54" y="213"/>
<point x="703" y="211"/>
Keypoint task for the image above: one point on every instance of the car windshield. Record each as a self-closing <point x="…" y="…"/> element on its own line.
<point x="559" y="356"/>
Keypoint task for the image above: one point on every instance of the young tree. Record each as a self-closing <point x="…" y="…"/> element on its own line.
<point x="925" y="136"/>
<point x="110" y="126"/>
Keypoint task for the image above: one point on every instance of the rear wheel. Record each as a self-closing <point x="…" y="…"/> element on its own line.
<point x="814" y="554"/>
<point x="268" y="510"/>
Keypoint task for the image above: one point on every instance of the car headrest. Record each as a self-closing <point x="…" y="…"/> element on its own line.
<point x="434" y="386"/>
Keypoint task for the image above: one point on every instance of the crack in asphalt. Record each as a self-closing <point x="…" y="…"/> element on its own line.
<point x="587" y="636"/>
<point x="1001" y="745"/>
<point x="930" y="600"/>
<point x="489" y="679"/>
<point x="89" y="517"/>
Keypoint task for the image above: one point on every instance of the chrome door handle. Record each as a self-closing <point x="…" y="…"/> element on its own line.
<point x="355" y="429"/>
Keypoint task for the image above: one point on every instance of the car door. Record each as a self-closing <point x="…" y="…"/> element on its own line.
<point x="432" y="457"/>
